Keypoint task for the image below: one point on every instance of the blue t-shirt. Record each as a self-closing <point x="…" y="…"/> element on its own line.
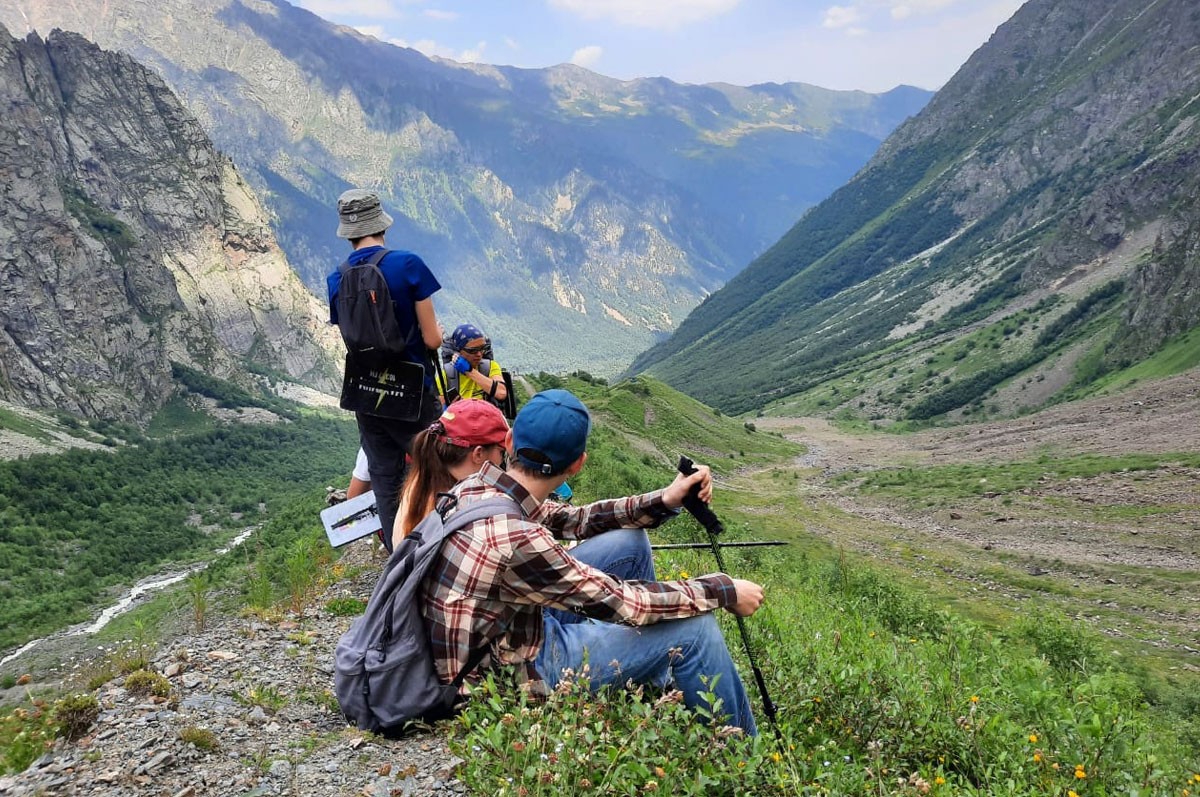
<point x="409" y="281"/>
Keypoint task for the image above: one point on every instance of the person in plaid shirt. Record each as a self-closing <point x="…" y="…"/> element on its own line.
<point x="507" y="583"/>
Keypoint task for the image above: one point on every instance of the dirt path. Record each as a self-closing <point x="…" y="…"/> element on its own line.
<point x="1121" y="549"/>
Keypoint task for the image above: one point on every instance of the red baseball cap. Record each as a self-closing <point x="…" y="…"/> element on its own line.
<point x="474" y="422"/>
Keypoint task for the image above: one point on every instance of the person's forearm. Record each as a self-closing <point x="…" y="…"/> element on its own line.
<point x="569" y="522"/>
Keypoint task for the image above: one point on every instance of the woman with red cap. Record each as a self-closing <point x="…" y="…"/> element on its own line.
<point x="469" y="433"/>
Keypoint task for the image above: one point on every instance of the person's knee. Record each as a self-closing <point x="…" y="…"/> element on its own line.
<point x="704" y="636"/>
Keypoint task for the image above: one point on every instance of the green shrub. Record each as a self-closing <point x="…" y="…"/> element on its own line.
<point x="74" y="714"/>
<point x="25" y="733"/>
<point x="145" y="682"/>
<point x="345" y="607"/>
<point x="201" y="738"/>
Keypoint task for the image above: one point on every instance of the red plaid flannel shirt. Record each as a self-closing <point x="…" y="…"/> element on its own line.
<point x="499" y="573"/>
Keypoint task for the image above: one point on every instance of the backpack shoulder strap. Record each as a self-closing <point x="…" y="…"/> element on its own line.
<point x="373" y="260"/>
<point x="500" y="505"/>
<point x="458" y="521"/>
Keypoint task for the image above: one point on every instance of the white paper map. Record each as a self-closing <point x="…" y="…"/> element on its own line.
<point x="351" y="519"/>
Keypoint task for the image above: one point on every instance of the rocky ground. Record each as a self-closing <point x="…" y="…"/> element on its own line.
<point x="262" y="688"/>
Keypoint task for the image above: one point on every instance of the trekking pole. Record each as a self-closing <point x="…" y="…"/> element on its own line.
<point x="439" y="384"/>
<point x="753" y="544"/>
<point x="712" y="524"/>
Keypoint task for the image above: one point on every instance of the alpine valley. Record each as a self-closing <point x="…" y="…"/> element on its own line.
<point x="1031" y="236"/>
<point x="559" y="208"/>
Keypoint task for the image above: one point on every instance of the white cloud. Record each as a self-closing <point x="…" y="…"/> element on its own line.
<point x="659" y="14"/>
<point x="587" y="56"/>
<point x="379" y="33"/>
<point x="372" y="9"/>
<point x="472" y="55"/>
<point x="841" y="16"/>
<point x="512" y="43"/>
<point x="903" y="9"/>
<point x="441" y="16"/>
<point x="435" y="49"/>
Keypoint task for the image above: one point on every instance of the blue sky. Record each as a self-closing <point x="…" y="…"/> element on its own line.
<point x="854" y="44"/>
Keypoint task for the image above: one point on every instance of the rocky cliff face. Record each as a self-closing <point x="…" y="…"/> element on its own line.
<point x="574" y="217"/>
<point x="1062" y="155"/>
<point x="128" y="241"/>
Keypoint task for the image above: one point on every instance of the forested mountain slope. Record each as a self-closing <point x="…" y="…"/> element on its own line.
<point x="1032" y="229"/>
<point x="128" y="242"/>
<point x="558" y="207"/>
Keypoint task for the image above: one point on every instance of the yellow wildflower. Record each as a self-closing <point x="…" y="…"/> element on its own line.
<point x="1079" y="772"/>
<point x="776" y="757"/>
<point x="939" y="780"/>
<point x="1037" y="758"/>
<point x="684" y="574"/>
<point x="974" y="698"/>
<point x="1072" y="794"/>
<point x="1033" y="738"/>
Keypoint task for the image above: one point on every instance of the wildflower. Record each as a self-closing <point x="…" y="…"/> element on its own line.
<point x="776" y="757"/>
<point x="1033" y="738"/>
<point x="518" y="746"/>
<point x="1072" y="793"/>
<point x="974" y="698"/>
<point x="816" y="699"/>
<point x="684" y="574"/>
<point x="872" y="635"/>
<point x="1079" y="771"/>
<point x="1037" y="758"/>
<point x="741" y="764"/>
<point x="939" y="780"/>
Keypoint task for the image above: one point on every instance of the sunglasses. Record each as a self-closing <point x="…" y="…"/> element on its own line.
<point x="474" y="349"/>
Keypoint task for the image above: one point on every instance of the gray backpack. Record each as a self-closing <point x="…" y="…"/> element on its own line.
<point x="384" y="673"/>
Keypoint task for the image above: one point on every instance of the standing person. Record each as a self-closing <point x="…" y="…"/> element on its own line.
<point x="609" y="610"/>
<point x="471" y="375"/>
<point x="363" y="222"/>
<point x="468" y="434"/>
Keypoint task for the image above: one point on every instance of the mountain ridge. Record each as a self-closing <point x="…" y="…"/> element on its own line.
<point x="1047" y="151"/>
<point x="554" y="205"/>
<point x="130" y="243"/>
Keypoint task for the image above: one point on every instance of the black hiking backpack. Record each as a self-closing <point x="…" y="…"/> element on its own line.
<point x="384" y="674"/>
<point x="366" y="316"/>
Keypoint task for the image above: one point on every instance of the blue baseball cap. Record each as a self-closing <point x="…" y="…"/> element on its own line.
<point x="551" y="431"/>
<point x="464" y="334"/>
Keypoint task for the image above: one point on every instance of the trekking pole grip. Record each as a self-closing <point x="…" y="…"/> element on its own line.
<point x="692" y="503"/>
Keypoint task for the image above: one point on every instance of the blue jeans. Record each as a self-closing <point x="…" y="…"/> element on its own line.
<point x="619" y="653"/>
